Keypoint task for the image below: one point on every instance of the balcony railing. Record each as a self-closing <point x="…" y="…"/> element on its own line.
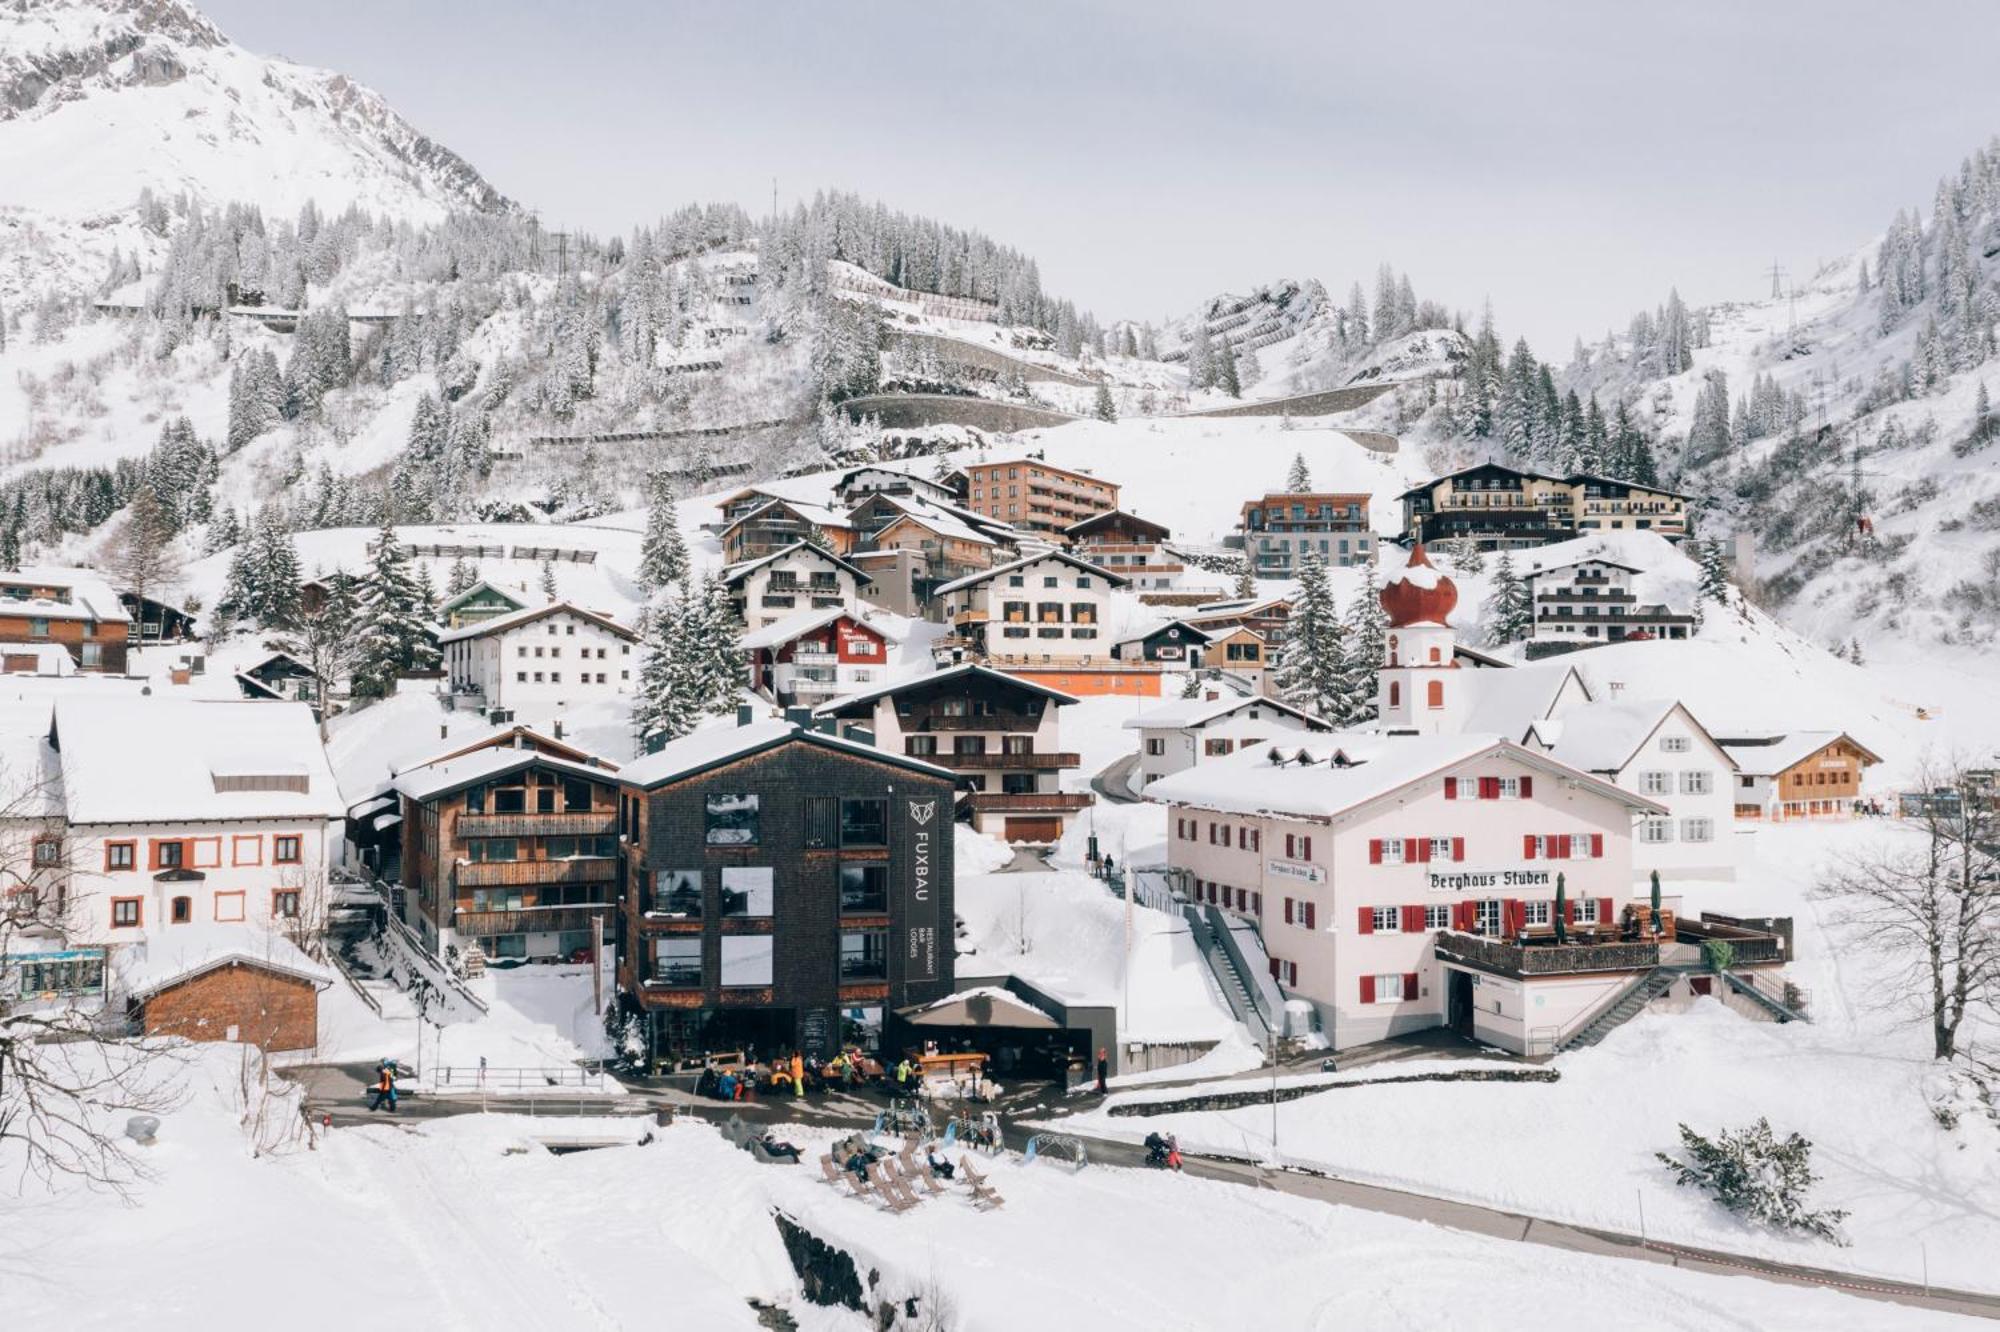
<point x="997" y="725"/>
<point x="1550" y="959"/>
<point x="998" y="761"/>
<point x="1029" y="802"/>
<point x="815" y="659"/>
<point x="563" y="918"/>
<point x="508" y="873"/>
<point x="539" y="825"/>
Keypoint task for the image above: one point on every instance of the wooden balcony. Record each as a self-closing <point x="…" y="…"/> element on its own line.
<point x="969" y="616"/>
<point x="1030" y="802"/>
<point x="593" y="824"/>
<point x="1548" y="959"/>
<point x="996" y="761"/>
<point x="938" y="721"/>
<point x="532" y="918"/>
<point x="511" y="873"/>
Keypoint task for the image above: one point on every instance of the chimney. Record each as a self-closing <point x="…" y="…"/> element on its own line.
<point x="826" y="726"/>
<point x="444" y="730"/>
<point x="1211" y="696"/>
<point x="799" y="717"/>
<point x="559" y="728"/>
<point x="745" y="714"/>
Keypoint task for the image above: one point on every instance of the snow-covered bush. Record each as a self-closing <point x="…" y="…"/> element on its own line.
<point x="1758" y="1176"/>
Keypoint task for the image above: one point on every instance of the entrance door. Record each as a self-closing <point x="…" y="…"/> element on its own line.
<point x="1033" y="829"/>
<point x="1458" y="1004"/>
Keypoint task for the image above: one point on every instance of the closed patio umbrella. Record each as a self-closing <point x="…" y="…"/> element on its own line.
<point x="1562" y="911"/>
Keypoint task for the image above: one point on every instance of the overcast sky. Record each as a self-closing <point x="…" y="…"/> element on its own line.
<point x="1570" y="161"/>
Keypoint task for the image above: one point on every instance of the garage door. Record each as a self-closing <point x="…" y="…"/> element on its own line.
<point x="1041" y="829"/>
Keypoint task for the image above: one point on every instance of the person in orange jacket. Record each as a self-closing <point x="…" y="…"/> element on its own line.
<point x="798" y="1074"/>
<point x="384" y="1090"/>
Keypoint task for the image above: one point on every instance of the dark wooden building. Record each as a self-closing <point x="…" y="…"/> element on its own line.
<point x="788" y="890"/>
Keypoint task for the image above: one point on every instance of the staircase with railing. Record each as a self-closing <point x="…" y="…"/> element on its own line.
<point x="1227" y="961"/>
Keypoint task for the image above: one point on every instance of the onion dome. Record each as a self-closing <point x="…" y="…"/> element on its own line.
<point x="1419" y="594"/>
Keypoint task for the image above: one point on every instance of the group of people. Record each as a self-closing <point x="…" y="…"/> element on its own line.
<point x="1163" y="1150"/>
<point x="792" y="1075"/>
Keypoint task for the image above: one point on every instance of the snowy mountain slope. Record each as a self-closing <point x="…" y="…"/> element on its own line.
<point x="102" y="98"/>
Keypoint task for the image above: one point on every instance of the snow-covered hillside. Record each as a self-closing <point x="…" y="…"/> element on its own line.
<point x="100" y="99"/>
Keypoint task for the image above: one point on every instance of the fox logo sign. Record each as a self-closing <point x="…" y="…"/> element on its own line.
<point x="921" y="814"/>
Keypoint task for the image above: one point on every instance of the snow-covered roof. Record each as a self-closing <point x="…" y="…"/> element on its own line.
<point x="846" y="478"/>
<point x="50" y="658"/>
<point x="430" y="780"/>
<point x="1605" y="736"/>
<point x="453" y="603"/>
<point x="1139" y="635"/>
<point x="715" y="745"/>
<point x="1325" y="776"/>
<point x="1505" y="702"/>
<point x="1111" y="516"/>
<point x="1766" y="756"/>
<point x="1191" y="713"/>
<point x="986" y="575"/>
<point x="500" y="624"/>
<point x="736" y="573"/>
<point x="968" y="670"/>
<point x="798" y="623"/>
<point x="90" y="597"/>
<point x="161" y="760"/>
<point x="819" y="515"/>
<point x="938" y="519"/>
<point x="1218" y="610"/>
<point x="173" y="954"/>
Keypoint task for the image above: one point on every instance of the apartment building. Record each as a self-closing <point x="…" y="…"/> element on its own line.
<point x="1127" y="544"/>
<point x="1036" y="496"/>
<point x="1587" y="602"/>
<point x="1280" y="528"/>
<point x="1503" y="508"/>
<point x="798" y="577"/>
<point x="74" y="609"/>
<point x="1042" y="609"/>
<point x="536" y="662"/>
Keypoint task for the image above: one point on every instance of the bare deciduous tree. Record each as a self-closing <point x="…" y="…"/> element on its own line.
<point x="1932" y="902"/>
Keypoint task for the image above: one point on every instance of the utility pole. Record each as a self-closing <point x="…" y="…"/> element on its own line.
<point x="561" y="239"/>
<point x="1778" y="276"/>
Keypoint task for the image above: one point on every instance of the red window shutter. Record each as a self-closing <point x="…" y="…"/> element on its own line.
<point x="1489" y="788"/>
<point x="1256" y="839"/>
<point x="1275" y="964"/>
<point x="1451" y="788"/>
<point x="1368" y="920"/>
<point x="1312" y="915"/>
<point x="1413" y="919"/>
<point x="1569" y="910"/>
<point x="1409" y="985"/>
<point x="1423" y="850"/>
<point x="1597" y="846"/>
<point x="1527" y="846"/>
<point x="1409" y="850"/>
<point x="1306" y="848"/>
<point x="1288" y="847"/>
<point x="1288" y="911"/>
<point x="1604" y="911"/>
<point x="1516" y="915"/>
<point x="1367" y="989"/>
<point x="1527" y="788"/>
<point x="1458" y="848"/>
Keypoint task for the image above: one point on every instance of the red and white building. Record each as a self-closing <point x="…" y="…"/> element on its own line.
<point x="815" y="655"/>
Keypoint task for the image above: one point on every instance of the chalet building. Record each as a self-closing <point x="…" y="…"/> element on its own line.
<point x="1656" y="749"/>
<point x="1127" y="544"/>
<point x="156" y="621"/>
<point x="1176" y="643"/>
<point x="276" y="677"/>
<point x="1798" y="775"/>
<point x="779" y="524"/>
<point x="1179" y="735"/>
<point x="1244" y="653"/>
<point x="1035" y="496"/>
<point x="811" y="656"/>
<point x="1588" y="602"/>
<point x="1501" y="508"/>
<point x="854" y="486"/>
<point x="478" y="603"/>
<point x="71" y="608"/>
<point x="1043" y="610"/>
<point x="1268" y="616"/>
<point x="798" y="577"/>
<point x="949" y="546"/>
<point x="533" y="663"/>
<point x="788" y="890"/>
<point x="229" y="820"/>
<point x="510" y="851"/>
<point x="743" y="503"/>
<point x="1280" y="528"/>
<point x="1000" y="734"/>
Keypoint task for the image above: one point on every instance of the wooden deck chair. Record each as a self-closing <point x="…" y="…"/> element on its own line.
<point x="929" y="1177"/>
<point x="830" y="1171"/>
<point x="887" y="1193"/>
<point x="857" y="1185"/>
<point x="900" y="1183"/>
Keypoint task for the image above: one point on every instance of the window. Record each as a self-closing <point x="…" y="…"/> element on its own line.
<point x="1656" y="831"/>
<point x="118" y="855"/>
<point x="746" y="959"/>
<point x="1535" y="913"/>
<point x="1586" y="911"/>
<point x="1388" y="989"/>
<point x="1434" y="694"/>
<point x="1214" y="748"/>
<point x="1697" y="830"/>
<point x="285" y="903"/>
<point x="167" y="854"/>
<point x="677" y="892"/>
<point x="864" y="823"/>
<point x="48" y="852"/>
<point x="1697" y="781"/>
<point x="510" y="799"/>
<point x="285" y="850"/>
<point x="677" y="961"/>
<point x="1675" y="744"/>
<point x="125" y="912"/>
<point x="181" y="910"/>
<point x="1486" y="916"/>
<point x="576" y="796"/>
<point x="1437" y="917"/>
<point x="864" y="955"/>
<point x="482" y="849"/>
<point x="1656" y="783"/>
<point x="1441" y="848"/>
<point x="1155" y="747"/>
<point x="864" y="889"/>
<point x="731" y="819"/>
<point x="1386" y="920"/>
<point x="1392" y="850"/>
<point x="747" y="891"/>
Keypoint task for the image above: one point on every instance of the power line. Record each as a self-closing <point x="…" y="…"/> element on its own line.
<point x="1778" y="276"/>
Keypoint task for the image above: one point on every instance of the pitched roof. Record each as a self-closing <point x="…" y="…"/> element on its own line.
<point x="845" y="705"/>
<point x="1426" y="486"/>
<point x="936" y="520"/>
<point x="819" y="515"/>
<point x="500" y="624"/>
<point x="1505" y="702"/>
<point x="1606" y="735"/>
<point x="716" y="745"/>
<point x="736" y="573"/>
<point x="1159" y="530"/>
<point x="90" y="597"/>
<point x="842" y="481"/>
<point x="798" y="623"/>
<point x="159" y="760"/>
<point x="453" y="603"/>
<point x="1325" y="776"/>
<point x="984" y="575"/>
<point x="179" y="953"/>
<point x="430" y="780"/>
<point x="1161" y="626"/>
<point x="1766" y="756"/>
<point x="1187" y="713"/>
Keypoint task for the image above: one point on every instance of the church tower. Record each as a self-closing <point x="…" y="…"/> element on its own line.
<point x="1418" y="689"/>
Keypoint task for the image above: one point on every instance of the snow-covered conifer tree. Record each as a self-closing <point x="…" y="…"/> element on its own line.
<point x="394" y="635"/>
<point x="1298" y="480"/>
<point x="1510" y="610"/>
<point x="1310" y="671"/>
<point x="548" y="583"/>
<point x="1362" y="650"/>
<point x="663" y="556"/>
